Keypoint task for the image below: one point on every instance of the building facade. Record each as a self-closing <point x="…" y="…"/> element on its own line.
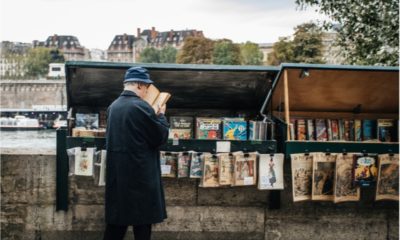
<point x="12" y="59"/>
<point x="127" y="48"/>
<point x="67" y="44"/>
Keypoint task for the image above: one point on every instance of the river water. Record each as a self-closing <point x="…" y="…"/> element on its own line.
<point x="40" y="139"/>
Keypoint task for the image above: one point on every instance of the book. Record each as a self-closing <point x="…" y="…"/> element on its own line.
<point x="388" y="178"/>
<point x="87" y="120"/>
<point x="270" y="172"/>
<point x="342" y="133"/>
<point x="301" y="165"/>
<point x="292" y="126"/>
<point x="301" y="132"/>
<point x="208" y="128"/>
<point x="357" y="130"/>
<point x="351" y="131"/>
<point x="183" y="164"/>
<point x="323" y="176"/>
<point x="181" y="128"/>
<point x="386" y="130"/>
<point x="346" y="130"/>
<point x="368" y="129"/>
<point x="252" y="130"/>
<point x="234" y="129"/>
<point x="210" y="171"/>
<point x="321" y="132"/>
<point x="196" y="161"/>
<point x="84" y="161"/>
<point x="262" y="131"/>
<point x="244" y="173"/>
<point x="344" y="189"/>
<point x="155" y="98"/>
<point x="310" y="130"/>
<point x="365" y="169"/>
<point x="335" y="129"/>
<point x="329" y="129"/>
<point x="168" y="161"/>
<point x="225" y="169"/>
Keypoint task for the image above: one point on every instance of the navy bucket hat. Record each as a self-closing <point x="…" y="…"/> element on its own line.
<point x="137" y="74"/>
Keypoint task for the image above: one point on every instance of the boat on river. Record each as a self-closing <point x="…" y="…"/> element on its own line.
<point x="20" y="122"/>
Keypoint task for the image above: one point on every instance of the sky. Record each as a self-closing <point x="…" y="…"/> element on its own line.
<point x="96" y="22"/>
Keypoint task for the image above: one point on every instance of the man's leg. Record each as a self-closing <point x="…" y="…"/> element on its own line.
<point x="142" y="232"/>
<point x="115" y="232"/>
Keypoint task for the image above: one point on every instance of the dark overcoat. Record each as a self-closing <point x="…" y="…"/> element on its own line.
<point x="134" y="191"/>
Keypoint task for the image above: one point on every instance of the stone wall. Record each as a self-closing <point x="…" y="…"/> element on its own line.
<point x="28" y="209"/>
<point x="23" y="94"/>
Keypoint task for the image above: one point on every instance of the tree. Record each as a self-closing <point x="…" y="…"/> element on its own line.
<point x="368" y="31"/>
<point x="282" y="52"/>
<point x="149" y="55"/>
<point x="307" y="43"/>
<point x="168" y="54"/>
<point x="306" y="46"/>
<point x="38" y="59"/>
<point x="226" y="53"/>
<point x="251" y="54"/>
<point x="197" y="50"/>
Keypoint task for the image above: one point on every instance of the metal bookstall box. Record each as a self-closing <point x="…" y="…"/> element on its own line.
<point x="197" y="91"/>
<point x="314" y="91"/>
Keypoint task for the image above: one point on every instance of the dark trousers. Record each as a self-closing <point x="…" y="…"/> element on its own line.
<point x="116" y="232"/>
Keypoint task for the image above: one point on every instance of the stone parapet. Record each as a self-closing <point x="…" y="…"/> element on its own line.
<point x="28" y="209"/>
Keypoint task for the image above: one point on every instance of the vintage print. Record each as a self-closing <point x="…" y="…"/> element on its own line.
<point x="196" y="160"/>
<point x="388" y="178"/>
<point x="270" y="172"/>
<point x="210" y="171"/>
<point x="183" y="164"/>
<point x="323" y="177"/>
<point x="168" y="162"/>
<point x="345" y="190"/>
<point x="225" y="169"/>
<point x="301" y="176"/>
<point x="84" y="161"/>
<point x="244" y="169"/>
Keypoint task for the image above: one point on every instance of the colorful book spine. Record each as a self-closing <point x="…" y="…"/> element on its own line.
<point x="301" y="129"/>
<point x="329" y="129"/>
<point x="320" y="126"/>
<point x="310" y="130"/>
<point x="335" y="129"/>
<point x="357" y="130"/>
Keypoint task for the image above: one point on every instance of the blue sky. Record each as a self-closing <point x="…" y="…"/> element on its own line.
<point x="95" y="22"/>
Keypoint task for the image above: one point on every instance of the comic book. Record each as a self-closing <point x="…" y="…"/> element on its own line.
<point x="181" y="128"/>
<point x="234" y="129"/>
<point x="365" y="169"/>
<point x="208" y="128"/>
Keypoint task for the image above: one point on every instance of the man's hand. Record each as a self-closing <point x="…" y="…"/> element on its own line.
<point x="161" y="109"/>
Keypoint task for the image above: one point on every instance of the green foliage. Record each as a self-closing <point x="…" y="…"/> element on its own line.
<point x="306" y="46"/>
<point x="168" y="54"/>
<point x="282" y="52"/>
<point x="226" y="53"/>
<point x="196" y="50"/>
<point x="150" y="55"/>
<point x="251" y="54"/>
<point x="368" y="31"/>
<point x="38" y="59"/>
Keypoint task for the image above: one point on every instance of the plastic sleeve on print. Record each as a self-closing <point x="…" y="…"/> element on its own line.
<point x="71" y="161"/>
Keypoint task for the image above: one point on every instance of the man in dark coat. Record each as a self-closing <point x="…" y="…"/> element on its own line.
<point x="134" y="191"/>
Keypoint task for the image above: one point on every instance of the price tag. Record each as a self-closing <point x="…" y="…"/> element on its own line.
<point x="165" y="169"/>
<point x="223" y="146"/>
<point x="248" y="181"/>
<point x="175" y="142"/>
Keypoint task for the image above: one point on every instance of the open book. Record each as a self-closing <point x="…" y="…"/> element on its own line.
<point x="156" y="98"/>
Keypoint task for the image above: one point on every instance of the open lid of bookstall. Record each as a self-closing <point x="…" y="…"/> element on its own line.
<point x="316" y="90"/>
<point x="97" y="84"/>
